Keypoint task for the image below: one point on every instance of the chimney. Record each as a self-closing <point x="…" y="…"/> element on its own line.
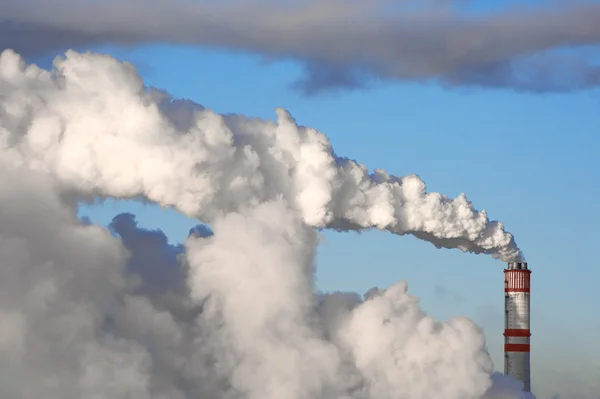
<point x="516" y="323"/>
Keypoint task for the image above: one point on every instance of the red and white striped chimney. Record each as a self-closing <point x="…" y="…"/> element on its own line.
<point x="516" y="323"/>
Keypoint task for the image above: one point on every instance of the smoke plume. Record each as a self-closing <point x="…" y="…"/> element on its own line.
<point x="93" y="125"/>
<point x="545" y="46"/>
<point x="233" y="312"/>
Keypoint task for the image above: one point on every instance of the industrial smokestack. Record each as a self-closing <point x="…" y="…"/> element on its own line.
<point x="516" y="323"/>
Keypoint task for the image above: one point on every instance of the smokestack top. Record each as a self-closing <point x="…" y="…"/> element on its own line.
<point x="517" y="266"/>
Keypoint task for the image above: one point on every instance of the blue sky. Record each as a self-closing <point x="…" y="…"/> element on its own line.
<point x="529" y="160"/>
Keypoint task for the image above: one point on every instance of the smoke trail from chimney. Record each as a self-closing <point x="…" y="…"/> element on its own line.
<point x="93" y="125"/>
<point x="235" y="315"/>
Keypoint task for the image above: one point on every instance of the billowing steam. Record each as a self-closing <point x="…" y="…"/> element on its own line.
<point x="233" y="313"/>
<point x="93" y="126"/>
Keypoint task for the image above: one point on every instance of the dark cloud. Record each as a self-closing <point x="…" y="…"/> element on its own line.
<point x="157" y="263"/>
<point x="319" y="77"/>
<point x="342" y="42"/>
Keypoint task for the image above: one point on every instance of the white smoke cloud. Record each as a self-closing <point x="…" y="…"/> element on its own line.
<point x="232" y="314"/>
<point x="58" y="280"/>
<point x="93" y="126"/>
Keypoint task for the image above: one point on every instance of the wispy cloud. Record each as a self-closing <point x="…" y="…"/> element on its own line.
<point x="444" y="293"/>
